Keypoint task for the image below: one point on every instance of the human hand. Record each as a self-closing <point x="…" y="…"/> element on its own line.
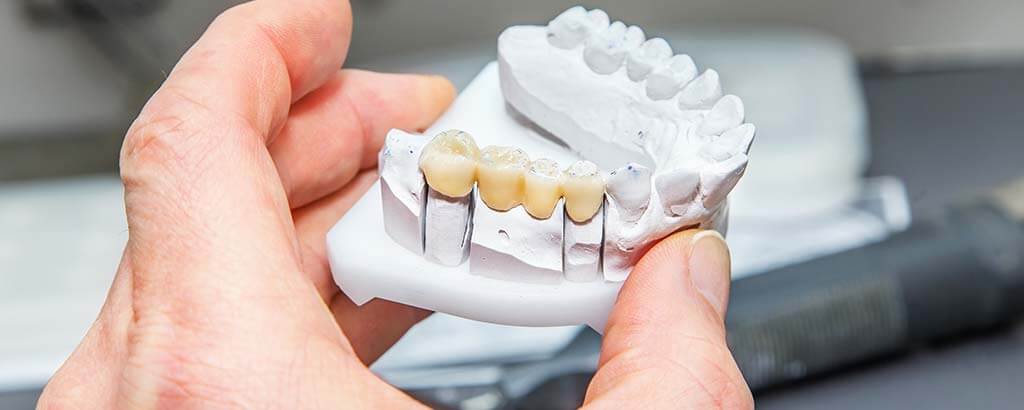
<point x="235" y="170"/>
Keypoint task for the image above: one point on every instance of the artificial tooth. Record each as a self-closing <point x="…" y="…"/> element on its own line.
<point x="543" y="188"/>
<point x="605" y="51"/>
<point x="583" y="188"/>
<point x="666" y="81"/>
<point x="702" y="92"/>
<point x="574" y="25"/>
<point x="676" y="188"/>
<point x="725" y="115"/>
<point x="629" y="188"/>
<point x="449" y="163"/>
<point x="500" y="176"/>
<point x="641" y="60"/>
<point x="719" y="178"/>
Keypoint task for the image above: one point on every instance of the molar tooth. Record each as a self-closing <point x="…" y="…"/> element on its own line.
<point x="605" y="51"/>
<point x="665" y="81"/>
<point x="629" y="188"/>
<point x="676" y="188"/>
<point x="542" y="188"/>
<point x="583" y="188"/>
<point x="718" y="179"/>
<point x="449" y="163"/>
<point x="726" y="114"/>
<point x="574" y="25"/>
<point x="599" y="19"/>
<point x="500" y="176"/>
<point x="702" y="92"/>
<point x="641" y="60"/>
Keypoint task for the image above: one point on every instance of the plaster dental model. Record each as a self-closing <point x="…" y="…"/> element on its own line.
<point x="531" y="199"/>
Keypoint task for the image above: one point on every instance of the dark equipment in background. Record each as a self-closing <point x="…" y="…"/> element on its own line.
<point x="961" y="272"/>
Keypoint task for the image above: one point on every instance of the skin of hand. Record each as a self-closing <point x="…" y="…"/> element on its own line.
<point x="233" y="173"/>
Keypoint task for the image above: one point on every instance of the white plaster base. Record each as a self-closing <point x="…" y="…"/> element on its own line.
<point x="368" y="264"/>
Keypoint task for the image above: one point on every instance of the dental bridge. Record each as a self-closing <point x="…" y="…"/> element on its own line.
<point x="597" y="142"/>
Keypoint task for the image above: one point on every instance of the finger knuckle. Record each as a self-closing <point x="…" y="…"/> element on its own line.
<point x="162" y="134"/>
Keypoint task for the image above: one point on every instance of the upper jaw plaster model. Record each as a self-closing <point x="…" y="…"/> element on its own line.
<point x="525" y="232"/>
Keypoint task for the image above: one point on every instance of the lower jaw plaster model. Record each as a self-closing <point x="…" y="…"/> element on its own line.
<point x="530" y="231"/>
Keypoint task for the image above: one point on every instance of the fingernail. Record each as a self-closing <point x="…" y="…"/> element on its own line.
<point x="710" y="268"/>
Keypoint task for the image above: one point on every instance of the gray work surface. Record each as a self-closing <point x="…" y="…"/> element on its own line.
<point x="947" y="135"/>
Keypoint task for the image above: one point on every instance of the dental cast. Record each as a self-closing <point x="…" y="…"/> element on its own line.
<point x="675" y="142"/>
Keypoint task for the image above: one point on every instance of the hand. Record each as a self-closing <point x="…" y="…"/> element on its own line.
<point x="233" y="172"/>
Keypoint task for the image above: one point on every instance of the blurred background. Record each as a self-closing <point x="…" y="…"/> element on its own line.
<point x="875" y="265"/>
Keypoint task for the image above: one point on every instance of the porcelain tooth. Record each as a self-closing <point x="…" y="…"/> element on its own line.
<point x="583" y="188"/>
<point x="701" y="93"/>
<point x="500" y="176"/>
<point x="629" y="188"/>
<point x="449" y="163"/>
<point x="542" y="188"/>
<point x="606" y="51"/>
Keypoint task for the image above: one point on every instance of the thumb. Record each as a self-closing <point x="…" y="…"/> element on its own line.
<point x="664" y="345"/>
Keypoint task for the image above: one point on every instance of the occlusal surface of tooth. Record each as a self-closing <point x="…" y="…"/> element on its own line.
<point x="543" y="188"/>
<point x="676" y="188"/>
<point x="629" y="188"/>
<point x="641" y="60"/>
<point x="701" y="93"/>
<point x="500" y="176"/>
<point x="575" y="25"/>
<point x="583" y="189"/>
<point x="665" y="82"/>
<point x="606" y="51"/>
<point x="449" y="163"/>
<point x="725" y="115"/>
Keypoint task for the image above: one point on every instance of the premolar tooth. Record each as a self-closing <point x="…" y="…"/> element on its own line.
<point x="719" y="178"/>
<point x="449" y="163"/>
<point x="702" y="92"/>
<point x="542" y="188"/>
<point x="666" y="81"/>
<point x="629" y="188"/>
<point x="500" y="176"/>
<point x="583" y="188"/>
<point x="605" y="51"/>
<point x="730" y="143"/>
<point x="574" y="25"/>
<point x="641" y="60"/>
<point x="676" y="188"/>
<point x="726" y="114"/>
